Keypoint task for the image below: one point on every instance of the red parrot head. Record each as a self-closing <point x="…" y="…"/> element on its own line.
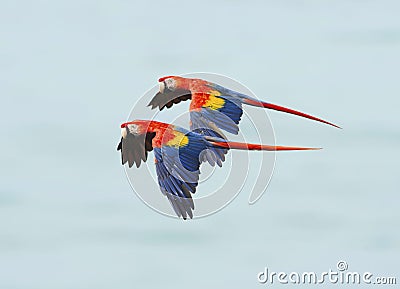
<point x="168" y="83"/>
<point x="172" y="83"/>
<point x="136" y="127"/>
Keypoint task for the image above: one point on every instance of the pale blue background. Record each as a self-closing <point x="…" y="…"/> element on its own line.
<point x="71" y="70"/>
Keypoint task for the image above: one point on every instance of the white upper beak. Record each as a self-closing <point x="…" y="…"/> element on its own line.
<point x="124" y="132"/>
<point x="162" y="87"/>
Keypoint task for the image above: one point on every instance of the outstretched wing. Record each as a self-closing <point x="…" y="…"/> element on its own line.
<point x="176" y="188"/>
<point x="168" y="98"/>
<point x="134" y="148"/>
<point x="212" y="155"/>
<point x="223" y="111"/>
<point x="214" y="112"/>
<point x="177" y="167"/>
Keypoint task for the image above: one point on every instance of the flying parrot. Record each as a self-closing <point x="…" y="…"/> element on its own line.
<point x="177" y="156"/>
<point x="212" y="106"/>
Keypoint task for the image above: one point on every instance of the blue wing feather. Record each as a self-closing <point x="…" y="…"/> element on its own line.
<point x="212" y="155"/>
<point x="178" y="173"/>
<point x="226" y="117"/>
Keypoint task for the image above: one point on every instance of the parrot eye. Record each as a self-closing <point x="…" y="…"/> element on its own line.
<point x="133" y="129"/>
<point x="170" y="84"/>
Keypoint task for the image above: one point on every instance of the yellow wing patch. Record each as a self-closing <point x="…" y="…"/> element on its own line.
<point x="179" y="140"/>
<point x="214" y="102"/>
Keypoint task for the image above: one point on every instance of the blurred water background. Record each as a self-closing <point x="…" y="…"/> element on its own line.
<point x="70" y="72"/>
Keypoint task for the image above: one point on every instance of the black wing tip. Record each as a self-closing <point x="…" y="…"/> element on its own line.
<point x="154" y="102"/>
<point x="119" y="147"/>
<point x="162" y="100"/>
<point x="134" y="149"/>
<point x="153" y="106"/>
<point x="183" y="207"/>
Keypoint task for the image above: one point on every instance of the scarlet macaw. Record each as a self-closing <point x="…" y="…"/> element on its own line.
<point x="212" y="106"/>
<point x="210" y="102"/>
<point x="177" y="153"/>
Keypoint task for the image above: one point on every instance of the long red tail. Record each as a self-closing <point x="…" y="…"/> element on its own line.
<point x="256" y="147"/>
<point x="285" y="109"/>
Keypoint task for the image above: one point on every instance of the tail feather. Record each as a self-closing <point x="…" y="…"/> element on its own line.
<point x="257" y="147"/>
<point x="257" y="103"/>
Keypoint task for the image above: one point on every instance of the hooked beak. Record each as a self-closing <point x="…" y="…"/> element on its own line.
<point x="162" y="87"/>
<point x="124" y="132"/>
